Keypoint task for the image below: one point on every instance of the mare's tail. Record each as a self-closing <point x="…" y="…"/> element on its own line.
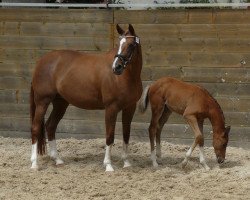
<point x="143" y="102"/>
<point x="41" y="140"/>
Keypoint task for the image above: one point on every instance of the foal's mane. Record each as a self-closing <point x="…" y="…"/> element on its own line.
<point x="215" y="101"/>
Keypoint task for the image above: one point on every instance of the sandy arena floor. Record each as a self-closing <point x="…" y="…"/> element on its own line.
<point x="83" y="176"/>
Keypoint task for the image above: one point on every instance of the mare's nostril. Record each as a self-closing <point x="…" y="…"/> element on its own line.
<point x="119" y="67"/>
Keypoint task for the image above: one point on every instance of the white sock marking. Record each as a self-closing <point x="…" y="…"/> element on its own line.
<point x="34" y="156"/>
<point x="202" y="158"/>
<point x="153" y="158"/>
<point x="53" y="152"/>
<point x="107" y="159"/>
<point x="188" y="154"/>
<point x="125" y="155"/>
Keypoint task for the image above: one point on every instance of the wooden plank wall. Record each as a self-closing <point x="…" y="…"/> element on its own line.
<point x="206" y="47"/>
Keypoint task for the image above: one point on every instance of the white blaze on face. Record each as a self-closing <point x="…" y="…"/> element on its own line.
<point x="123" y="40"/>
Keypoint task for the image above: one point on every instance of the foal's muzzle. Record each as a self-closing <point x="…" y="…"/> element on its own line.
<point x="220" y="160"/>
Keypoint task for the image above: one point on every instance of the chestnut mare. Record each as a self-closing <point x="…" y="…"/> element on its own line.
<point x="194" y="103"/>
<point x="109" y="81"/>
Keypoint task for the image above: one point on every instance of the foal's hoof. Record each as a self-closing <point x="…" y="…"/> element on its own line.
<point x="184" y="164"/>
<point x="207" y="168"/>
<point x="155" y="164"/>
<point x="126" y="164"/>
<point x="59" y="162"/>
<point x="109" y="168"/>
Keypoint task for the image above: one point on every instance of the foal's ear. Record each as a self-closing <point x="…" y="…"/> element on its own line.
<point x="131" y="29"/>
<point x="228" y="129"/>
<point x="119" y="29"/>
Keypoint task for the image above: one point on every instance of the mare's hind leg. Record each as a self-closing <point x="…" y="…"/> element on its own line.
<point x="164" y="118"/>
<point x="157" y="108"/>
<point x="127" y="115"/>
<point x="37" y="131"/>
<point x="59" y="108"/>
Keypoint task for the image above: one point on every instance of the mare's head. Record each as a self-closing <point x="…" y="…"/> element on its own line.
<point x="220" y="141"/>
<point x="127" y="47"/>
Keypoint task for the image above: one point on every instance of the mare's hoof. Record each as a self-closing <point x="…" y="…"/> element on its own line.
<point x="109" y="168"/>
<point x="155" y="164"/>
<point x="34" y="167"/>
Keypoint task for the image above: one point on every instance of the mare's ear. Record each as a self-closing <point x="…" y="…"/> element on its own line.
<point x="131" y="29"/>
<point x="119" y="29"/>
<point x="228" y="129"/>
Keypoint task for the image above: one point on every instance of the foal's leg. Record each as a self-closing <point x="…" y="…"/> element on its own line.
<point x="36" y="131"/>
<point x="157" y="110"/>
<point x="192" y="121"/>
<point x="127" y="115"/>
<point x="59" y="108"/>
<point x="196" y="126"/>
<point x="110" y="120"/>
<point x="201" y="149"/>
<point x="164" y="118"/>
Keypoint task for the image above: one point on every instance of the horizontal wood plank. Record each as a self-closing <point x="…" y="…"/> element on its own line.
<point x="52" y="29"/>
<point x="56" y="15"/>
<point x="196" y="59"/>
<point x="236" y="16"/>
<point x="150" y="17"/>
<point x="53" y="43"/>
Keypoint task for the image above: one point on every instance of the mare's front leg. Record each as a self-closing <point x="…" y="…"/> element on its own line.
<point x="127" y="116"/>
<point x="110" y="120"/>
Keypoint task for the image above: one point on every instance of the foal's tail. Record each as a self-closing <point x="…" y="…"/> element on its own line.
<point x="41" y="140"/>
<point x="143" y="102"/>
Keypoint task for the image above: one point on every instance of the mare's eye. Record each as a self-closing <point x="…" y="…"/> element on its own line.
<point x="131" y="45"/>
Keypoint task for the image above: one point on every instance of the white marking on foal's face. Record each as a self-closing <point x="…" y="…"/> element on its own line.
<point x="122" y="41"/>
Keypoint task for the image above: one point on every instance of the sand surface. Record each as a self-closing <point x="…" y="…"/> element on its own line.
<point x="83" y="176"/>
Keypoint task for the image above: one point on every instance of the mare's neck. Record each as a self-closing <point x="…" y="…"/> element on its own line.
<point x="135" y="66"/>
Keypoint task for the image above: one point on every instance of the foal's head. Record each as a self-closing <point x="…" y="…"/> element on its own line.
<point x="220" y="141"/>
<point x="126" y="50"/>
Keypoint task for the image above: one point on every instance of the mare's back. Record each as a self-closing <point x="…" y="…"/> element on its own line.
<point x="56" y="65"/>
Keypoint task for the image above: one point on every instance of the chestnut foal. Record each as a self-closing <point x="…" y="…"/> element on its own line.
<point x="109" y="81"/>
<point x="194" y="103"/>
